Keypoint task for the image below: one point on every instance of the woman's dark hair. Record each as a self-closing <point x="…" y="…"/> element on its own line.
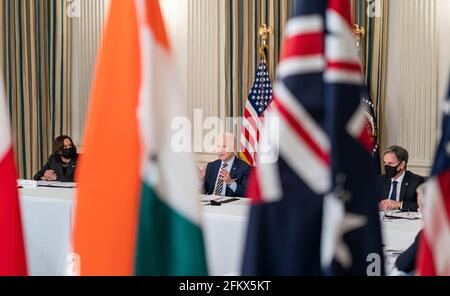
<point x="58" y="145"/>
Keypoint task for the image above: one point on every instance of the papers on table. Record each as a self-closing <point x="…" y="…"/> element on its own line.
<point x="401" y="215"/>
<point x="35" y="184"/>
<point x="57" y="184"/>
<point x="27" y="183"/>
<point x="216" y="200"/>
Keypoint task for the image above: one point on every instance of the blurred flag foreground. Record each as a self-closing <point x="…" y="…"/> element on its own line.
<point x="137" y="210"/>
<point x="315" y="210"/>
<point x="434" y="255"/>
<point x="12" y="252"/>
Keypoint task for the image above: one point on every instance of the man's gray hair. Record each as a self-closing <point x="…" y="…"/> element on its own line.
<point x="400" y="153"/>
<point x="229" y="140"/>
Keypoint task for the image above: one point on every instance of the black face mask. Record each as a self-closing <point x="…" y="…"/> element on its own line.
<point x="391" y="171"/>
<point x="68" y="153"/>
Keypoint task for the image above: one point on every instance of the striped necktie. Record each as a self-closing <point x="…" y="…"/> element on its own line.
<point x="219" y="184"/>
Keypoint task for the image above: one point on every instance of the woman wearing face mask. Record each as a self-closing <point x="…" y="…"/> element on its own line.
<point x="62" y="163"/>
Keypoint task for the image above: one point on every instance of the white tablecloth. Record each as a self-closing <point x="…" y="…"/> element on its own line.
<point x="47" y="215"/>
<point x="224" y="228"/>
<point x="398" y="235"/>
<point x="46" y="218"/>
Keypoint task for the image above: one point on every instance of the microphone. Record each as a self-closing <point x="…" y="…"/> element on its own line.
<point x="215" y="203"/>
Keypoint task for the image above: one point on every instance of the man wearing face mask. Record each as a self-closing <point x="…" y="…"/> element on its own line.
<point x="398" y="184"/>
<point x="62" y="163"/>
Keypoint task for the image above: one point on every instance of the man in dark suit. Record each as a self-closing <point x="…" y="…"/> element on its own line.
<point x="398" y="185"/>
<point x="228" y="175"/>
<point x="406" y="261"/>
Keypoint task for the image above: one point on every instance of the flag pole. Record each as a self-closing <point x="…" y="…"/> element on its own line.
<point x="264" y="33"/>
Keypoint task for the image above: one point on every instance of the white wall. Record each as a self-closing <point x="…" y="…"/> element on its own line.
<point x="86" y="33"/>
<point x="443" y="7"/>
<point x="195" y="28"/>
<point x="197" y="31"/>
<point x="176" y="16"/>
<point x="417" y="71"/>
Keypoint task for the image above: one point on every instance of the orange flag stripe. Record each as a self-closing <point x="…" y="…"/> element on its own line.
<point x="108" y="196"/>
<point x="156" y="23"/>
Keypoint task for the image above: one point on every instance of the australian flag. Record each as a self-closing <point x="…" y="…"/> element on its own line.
<point x="434" y="255"/>
<point x="315" y="208"/>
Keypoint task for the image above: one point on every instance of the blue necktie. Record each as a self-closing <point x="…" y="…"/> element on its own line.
<point x="394" y="191"/>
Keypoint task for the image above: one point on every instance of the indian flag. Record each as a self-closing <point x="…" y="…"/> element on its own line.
<point x="137" y="209"/>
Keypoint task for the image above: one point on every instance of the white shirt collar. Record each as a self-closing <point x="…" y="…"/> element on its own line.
<point x="230" y="162"/>
<point x="400" y="179"/>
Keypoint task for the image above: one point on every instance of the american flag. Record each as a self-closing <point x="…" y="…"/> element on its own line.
<point x="434" y="255"/>
<point x="323" y="143"/>
<point x="258" y="100"/>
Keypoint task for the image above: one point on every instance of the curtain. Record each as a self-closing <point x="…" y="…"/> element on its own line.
<point x="377" y="61"/>
<point x="86" y="37"/>
<point x="243" y="19"/>
<point x="373" y="16"/>
<point x="35" y="61"/>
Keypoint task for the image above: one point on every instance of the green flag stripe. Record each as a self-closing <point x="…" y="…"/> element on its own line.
<point x="167" y="243"/>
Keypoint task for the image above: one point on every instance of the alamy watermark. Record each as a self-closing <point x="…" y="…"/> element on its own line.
<point x="73" y="264"/>
<point x="73" y="8"/>
<point x="374" y="265"/>
<point x="374" y="8"/>
<point x="199" y="135"/>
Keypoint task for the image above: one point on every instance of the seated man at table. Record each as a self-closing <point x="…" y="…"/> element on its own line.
<point x="228" y="175"/>
<point x="398" y="186"/>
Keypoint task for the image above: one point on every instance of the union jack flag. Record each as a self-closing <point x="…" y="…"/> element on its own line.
<point x="434" y="255"/>
<point x="258" y="100"/>
<point x="315" y="210"/>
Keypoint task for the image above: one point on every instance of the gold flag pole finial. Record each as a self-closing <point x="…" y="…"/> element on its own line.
<point x="264" y="33"/>
<point x="359" y="33"/>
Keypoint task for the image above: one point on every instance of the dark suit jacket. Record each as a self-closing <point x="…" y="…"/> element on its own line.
<point x="54" y="164"/>
<point x="408" y="189"/>
<point x="406" y="262"/>
<point x="239" y="172"/>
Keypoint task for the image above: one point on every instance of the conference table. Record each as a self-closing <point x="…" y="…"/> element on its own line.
<point x="47" y="221"/>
